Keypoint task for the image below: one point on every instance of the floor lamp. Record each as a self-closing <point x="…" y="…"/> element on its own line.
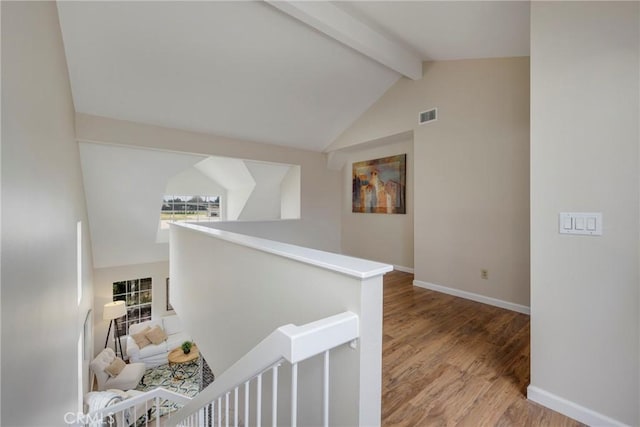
<point x="113" y="311"/>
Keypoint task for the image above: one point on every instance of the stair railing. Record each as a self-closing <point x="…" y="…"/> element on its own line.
<point x="137" y="410"/>
<point x="289" y="343"/>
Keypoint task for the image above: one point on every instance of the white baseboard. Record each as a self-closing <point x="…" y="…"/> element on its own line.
<point x="474" y="297"/>
<point x="403" y="269"/>
<point x="570" y="409"/>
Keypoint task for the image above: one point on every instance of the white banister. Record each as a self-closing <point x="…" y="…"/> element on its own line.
<point x="130" y="404"/>
<point x="235" y="407"/>
<point x="259" y="400"/>
<point x="274" y="394"/>
<point x="325" y="390"/>
<point x="291" y="343"/>
<point x="294" y="395"/>
<point x="226" y="410"/>
<point x="246" y="402"/>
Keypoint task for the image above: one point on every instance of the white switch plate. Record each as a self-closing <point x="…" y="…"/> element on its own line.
<point x="586" y="223"/>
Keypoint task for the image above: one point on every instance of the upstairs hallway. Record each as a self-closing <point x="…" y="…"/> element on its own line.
<point x="447" y="361"/>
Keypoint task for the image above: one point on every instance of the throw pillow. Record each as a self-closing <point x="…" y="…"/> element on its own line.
<point x="115" y="367"/>
<point x="141" y="339"/>
<point x="156" y="335"/>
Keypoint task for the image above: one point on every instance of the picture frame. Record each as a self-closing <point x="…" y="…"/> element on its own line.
<point x="379" y="185"/>
<point x="169" y="306"/>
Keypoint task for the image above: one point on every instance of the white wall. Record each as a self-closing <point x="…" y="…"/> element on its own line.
<point x="320" y="187"/>
<point x="193" y="182"/>
<point x="264" y="202"/>
<point x="229" y="308"/>
<point x="124" y="189"/>
<point x="585" y="323"/>
<point x="42" y="200"/>
<point x="233" y="175"/>
<point x="379" y="237"/>
<point x="104" y="278"/>
<point x="290" y="194"/>
<point x="471" y="175"/>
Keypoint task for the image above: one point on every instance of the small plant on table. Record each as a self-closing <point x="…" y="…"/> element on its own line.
<point x="186" y="347"/>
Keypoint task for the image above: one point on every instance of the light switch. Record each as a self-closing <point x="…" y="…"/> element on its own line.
<point x="587" y="223"/>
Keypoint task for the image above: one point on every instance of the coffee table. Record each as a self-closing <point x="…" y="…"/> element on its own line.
<point x="178" y="361"/>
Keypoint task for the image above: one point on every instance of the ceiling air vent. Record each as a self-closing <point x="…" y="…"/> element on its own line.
<point x="428" y="116"/>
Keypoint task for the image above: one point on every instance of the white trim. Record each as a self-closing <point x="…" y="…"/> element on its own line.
<point x="474" y="297"/>
<point x="403" y="268"/>
<point x="569" y="408"/>
<point x="356" y="267"/>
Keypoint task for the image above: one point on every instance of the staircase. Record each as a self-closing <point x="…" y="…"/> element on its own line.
<point x="239" y="395"/>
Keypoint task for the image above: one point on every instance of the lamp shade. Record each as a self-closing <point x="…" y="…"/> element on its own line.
<point x="113" y="310"/>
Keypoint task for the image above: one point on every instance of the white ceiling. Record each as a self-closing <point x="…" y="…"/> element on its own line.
<point x="445" y="30"/>
<point x="250" y="71"/>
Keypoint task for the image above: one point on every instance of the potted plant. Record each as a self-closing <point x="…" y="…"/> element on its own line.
<point x="186" y="347"/>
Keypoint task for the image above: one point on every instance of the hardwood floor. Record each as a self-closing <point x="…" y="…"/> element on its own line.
<point x="447" y="361"/>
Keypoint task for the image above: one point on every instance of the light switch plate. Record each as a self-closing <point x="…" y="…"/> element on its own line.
<point x="585" y="223"/>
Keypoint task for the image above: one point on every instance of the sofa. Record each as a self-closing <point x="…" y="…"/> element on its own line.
<point x="127" y="378"/>
<point x="153" y="355"/>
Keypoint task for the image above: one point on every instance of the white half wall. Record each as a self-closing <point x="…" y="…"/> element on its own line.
<point x="42" y="202"/>
<point x="229" y="308"/>
<point x="585" y="299"/>
<point x="379" y="237"/>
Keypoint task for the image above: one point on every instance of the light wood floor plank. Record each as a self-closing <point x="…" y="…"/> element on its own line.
<point x="447" y="361"/>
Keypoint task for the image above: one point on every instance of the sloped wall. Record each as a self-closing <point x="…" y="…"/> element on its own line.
<point x="42" y="201"/>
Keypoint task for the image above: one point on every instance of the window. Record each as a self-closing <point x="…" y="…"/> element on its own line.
<point x="189" y="208"/>
<point x="137" y="296"/>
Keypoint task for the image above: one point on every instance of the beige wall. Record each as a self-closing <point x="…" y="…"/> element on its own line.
<point x="42" y="201"/>
<point x="471" y="174"/>
<point x="585" y="112"/>
<point x="384" y="238"/>
<point x="104" y="278"/>
<point x="320" y="196"/>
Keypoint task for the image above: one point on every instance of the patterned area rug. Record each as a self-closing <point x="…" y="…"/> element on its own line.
<point x="187" y="382"/>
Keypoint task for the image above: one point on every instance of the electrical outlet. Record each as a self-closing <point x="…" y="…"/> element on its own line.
<point x="484" y="274"/>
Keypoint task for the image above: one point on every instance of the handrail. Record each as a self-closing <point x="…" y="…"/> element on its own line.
<point x="289" y="342"/>
<point x="158" y="392"/>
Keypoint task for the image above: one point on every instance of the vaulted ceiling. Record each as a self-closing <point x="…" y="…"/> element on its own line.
<point x="288" y="73"/>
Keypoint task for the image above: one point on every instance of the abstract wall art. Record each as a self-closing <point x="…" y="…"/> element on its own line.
<point x="379" y="185"/>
